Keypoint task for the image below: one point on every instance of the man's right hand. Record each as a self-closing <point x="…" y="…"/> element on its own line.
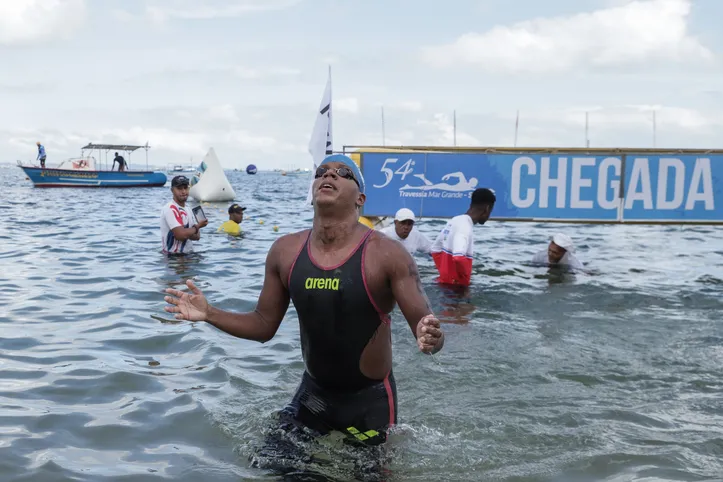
<point x="187" y="306"/>
<point x="202" y="224"/>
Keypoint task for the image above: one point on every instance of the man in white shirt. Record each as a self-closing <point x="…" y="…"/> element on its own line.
<point x="558" y="253"/>
<point x="177" y="232"/>
<point x="452" y="250"/>
<point x="403" y="231"/>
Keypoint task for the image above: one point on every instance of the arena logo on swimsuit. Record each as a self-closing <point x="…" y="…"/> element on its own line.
<point x="322" y="284"/>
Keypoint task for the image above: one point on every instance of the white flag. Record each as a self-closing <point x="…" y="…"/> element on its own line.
<point x="321" y="142"/>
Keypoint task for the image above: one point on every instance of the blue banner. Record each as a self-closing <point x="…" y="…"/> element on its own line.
<point x="674" y="188"/>
<point x="562" y="186"/>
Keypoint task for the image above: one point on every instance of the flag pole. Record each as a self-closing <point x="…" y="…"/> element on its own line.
<point x="587" y="135"/>
<point x="454" y="125"/>
<point x="384" y="135"/>
<point x="517" y="125"/>
<point x="654" y="131"/>
<point x="329" y="147"/>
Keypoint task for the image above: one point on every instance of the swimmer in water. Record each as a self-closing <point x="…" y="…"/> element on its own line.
<point x="344" y="279"/>
<point x="558" y="253"/>
<point x="235" y="217"/>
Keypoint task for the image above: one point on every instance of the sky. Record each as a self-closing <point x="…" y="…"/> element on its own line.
<point x="246" y="76"/>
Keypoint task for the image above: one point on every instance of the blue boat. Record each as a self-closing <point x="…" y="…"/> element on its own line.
<point x="87" y="171"/>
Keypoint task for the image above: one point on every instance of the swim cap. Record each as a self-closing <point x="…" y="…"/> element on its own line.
<point x="347" y="161"/>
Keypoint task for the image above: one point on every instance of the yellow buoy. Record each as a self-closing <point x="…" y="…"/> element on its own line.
<point x="261" y="221"/>
<point x="276" y="228"/>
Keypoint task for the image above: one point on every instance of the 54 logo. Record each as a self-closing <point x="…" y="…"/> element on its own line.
<point x="404" y="170"/>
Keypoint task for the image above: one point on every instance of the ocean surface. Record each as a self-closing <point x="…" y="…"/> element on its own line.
<point x="615" y="374"/>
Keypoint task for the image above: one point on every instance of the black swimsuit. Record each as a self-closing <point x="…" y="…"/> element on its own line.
<point x="337" y="319"/>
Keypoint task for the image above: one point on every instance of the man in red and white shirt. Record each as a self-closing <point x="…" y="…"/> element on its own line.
<point x="178" y="224"/>
<point x="453" y="249"/>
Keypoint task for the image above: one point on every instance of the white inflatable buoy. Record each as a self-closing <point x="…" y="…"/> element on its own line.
<point x="210" y="182"/>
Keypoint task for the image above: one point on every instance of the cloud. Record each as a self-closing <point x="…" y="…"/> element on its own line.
<point x="402" y="106"/>
<point x="617" y="126"/>
<point x="188" y="142"/>
<point x="443" y="132"/>
<point x="349" y="105"/>
<point x="122" y="15"/>
<point x="25" y="22"/>
<point x="161" y="11"/>
<point x="248" y="73"/>
<point x="249" y="141"/>
<point x="630" y="116"/>
<point x="680" y="118"/>
<point x="408" y="106"/>
<point x="225" y="113"/>
<point x="222" y="72"/>
<point x="25" y="139"/>
<point x="27" y="87"/>
<point x="635" y="32"/>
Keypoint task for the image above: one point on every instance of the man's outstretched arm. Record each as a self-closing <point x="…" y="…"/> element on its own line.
<point x="258" y="325"/>
<point x="262" y="323"/>
<point x="411" y="298"/>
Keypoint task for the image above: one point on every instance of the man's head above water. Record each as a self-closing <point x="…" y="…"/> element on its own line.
<point x="481" y="205"/>
<point x="558" y="247"/>
<point x="404" y="222"/>
<point x="179" y="188"/>
<point x="338" y="184"/>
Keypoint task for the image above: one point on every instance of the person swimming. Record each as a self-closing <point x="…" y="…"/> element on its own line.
<point x="559" y="252"/>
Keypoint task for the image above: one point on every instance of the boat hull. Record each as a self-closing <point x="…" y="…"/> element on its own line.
<point x="49" y="177"/>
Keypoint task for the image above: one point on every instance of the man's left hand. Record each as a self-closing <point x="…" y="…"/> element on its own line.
<point x="429" y="334"/>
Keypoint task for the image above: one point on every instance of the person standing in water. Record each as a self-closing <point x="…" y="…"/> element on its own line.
<point x="403" y="230"/>
<point x="343" y="279"/>
<point x="177" y="230"/>
<point x="453" y="249"/>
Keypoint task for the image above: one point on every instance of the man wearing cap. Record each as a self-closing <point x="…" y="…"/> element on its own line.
<point x="558" y="253"/>
<point x="403" y="231"/>
<point x="452" y="250"/>
<point x="178" y="224"/>
<point x="235" y="216"/>
<point x="344" y="280"/>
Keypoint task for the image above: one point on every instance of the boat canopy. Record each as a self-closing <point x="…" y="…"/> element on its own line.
<point x="117" y="147"/>
<point x="128" y="148"/>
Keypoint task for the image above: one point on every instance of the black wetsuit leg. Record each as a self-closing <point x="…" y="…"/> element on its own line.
<point x="363" y="417"/>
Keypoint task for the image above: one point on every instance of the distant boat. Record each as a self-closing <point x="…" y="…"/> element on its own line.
<point x="176" y="169"/>
<point x="86" y="171"/>
<point x="296" y="172"/>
